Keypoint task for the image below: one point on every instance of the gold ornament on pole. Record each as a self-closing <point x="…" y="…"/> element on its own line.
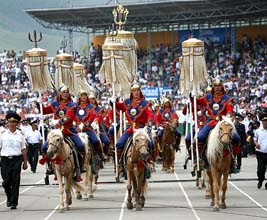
<point x="126" y="38"/>
<point x="64" y="72"/>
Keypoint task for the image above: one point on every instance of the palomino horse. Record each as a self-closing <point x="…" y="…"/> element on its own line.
<point x="88" y="176"/>
<point x="63" y="158"/>
<point x="136" y="165"/>
<point x="167" y="143"/>
<point x="219" y="155"/>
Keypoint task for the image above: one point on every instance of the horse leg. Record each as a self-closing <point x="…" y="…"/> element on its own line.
<point x="207" y="185"/>
<point x="61" y="191"/>
<point x="138" y="193"/>
<point x="68" y="192"/>
<point x="211" y="187"/>
<point x="216" y="188"/>
<point x="142" y="198"/>
<point x="129" y="188"/>
<point x="224" y="185"/>
<point x="172" y="161"/>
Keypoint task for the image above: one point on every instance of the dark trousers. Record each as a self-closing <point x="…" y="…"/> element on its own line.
<point x="33" y="154"/>
<point x="10" y="172"/>
<point x="261" y="167"/>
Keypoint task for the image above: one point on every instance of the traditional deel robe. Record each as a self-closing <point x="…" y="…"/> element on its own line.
<point x="85" y="113"/>
<point x="65" y="112"/>
<point x="216" y="106"/>
<point x="137" y="112"/>
<point x="165" y="115"/>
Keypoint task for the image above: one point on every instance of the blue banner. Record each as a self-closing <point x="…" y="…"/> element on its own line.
<point x="216" y="35"/>
<point x="155" y="93"/>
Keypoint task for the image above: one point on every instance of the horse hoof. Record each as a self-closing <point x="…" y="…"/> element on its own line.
<point x="79" y="196"/>
<point x="67" y="208"/>
<point x="216" y="209"/>
<point x="211" y="203"/>
<point x="223" y="206"/>
<point x="129" y="205"/>
<point x="91" y="196"/>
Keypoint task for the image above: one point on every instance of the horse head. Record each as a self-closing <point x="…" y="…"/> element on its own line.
<point x="226" y="129"/>
<point x="140" y="143"/>
<point x="55" y="142"/>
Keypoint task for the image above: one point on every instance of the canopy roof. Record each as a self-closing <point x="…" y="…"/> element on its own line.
<point x="155" y="16"/>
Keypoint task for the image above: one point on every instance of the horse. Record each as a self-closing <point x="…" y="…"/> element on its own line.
<point x="219" y="155"/>
<point x="62" y="156"/>
<point x="136" y="165"/>
<point x="167" y="143"/>
<point x="88" y="176"/>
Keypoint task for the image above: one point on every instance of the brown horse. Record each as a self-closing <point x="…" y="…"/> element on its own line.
<point x="136" y="165"/>
<point x="63" y="158"/>
<point x="219" y="155"/>
<point x="168" y="142"/>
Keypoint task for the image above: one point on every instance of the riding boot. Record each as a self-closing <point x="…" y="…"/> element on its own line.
<point x="99" y="151"/>
<point x="188" y="147"/>
<point x="201" y="152"/>
<point x="78" y="164"/>
<point x="81" y="156"/>
<point x="106" y="150"/>
<point x="177" y="144"/>
<point x="120" y="163"/>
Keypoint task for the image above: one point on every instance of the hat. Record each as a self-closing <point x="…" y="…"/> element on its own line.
<point x="165" y="100"/>
<point x="217" y="81"/>
<point x="249" y="114"/>
<point x="63" y="87"/>
<point x="82" y="92"/>
<point x="33" y="122"/>
<point x="135" y="86"/>
<point x="238" y="116"/>
<point x="92" y="95"/>
<point x="13" y="117"/>
<point x="263" y="117"/>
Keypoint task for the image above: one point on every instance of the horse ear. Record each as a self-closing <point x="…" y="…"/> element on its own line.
<point x="220" y="117"/>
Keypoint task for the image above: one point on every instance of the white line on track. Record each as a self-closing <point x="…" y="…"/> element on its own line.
<point x="51" y="213"/>
<point x="123" y="205"/>
<point x="187" y="198"/>
<point x="248" y="196"/>
<point x="25" y="190"/>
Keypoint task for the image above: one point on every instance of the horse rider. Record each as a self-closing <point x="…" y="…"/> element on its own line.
<point x="167" y="114"/>
<point x="84" y="117"/>
<point x="99" y="118"/>
<point x="64" y="110"/>
<point x="138" y="114"/>
<point x="201" y="120"/>
<point x="217" y="104"/>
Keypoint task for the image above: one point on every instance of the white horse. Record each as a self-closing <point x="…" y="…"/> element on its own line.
<point x="62" y="156"/>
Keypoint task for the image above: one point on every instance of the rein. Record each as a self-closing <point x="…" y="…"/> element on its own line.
<point x="58" y="160"/>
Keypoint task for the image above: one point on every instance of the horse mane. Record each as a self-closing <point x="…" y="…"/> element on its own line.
<point x="140" y="131"/>
<point x="214" y="147"/>
<point x="54" y="132"/>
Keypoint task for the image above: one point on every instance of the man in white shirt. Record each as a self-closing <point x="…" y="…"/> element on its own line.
<point x="13" y="151"/>
<point x="260" y="141"/>
<point x="34" y="143"/>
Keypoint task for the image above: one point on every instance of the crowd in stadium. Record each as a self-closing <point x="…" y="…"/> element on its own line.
<point x="243" y="70"/>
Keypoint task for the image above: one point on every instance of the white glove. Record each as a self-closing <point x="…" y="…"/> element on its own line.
<point x="113" y="99"/>
<point x="54" y="122"/>
<point x="81" y="126"/>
